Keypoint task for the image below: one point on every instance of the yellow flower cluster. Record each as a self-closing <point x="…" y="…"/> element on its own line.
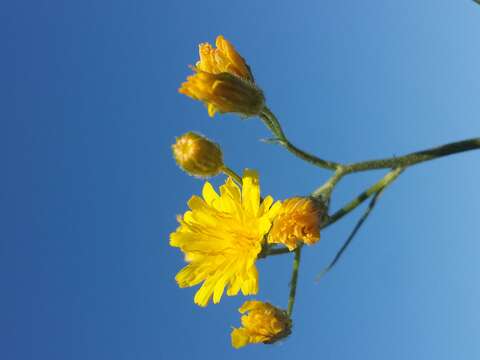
<point x="224" y="233"/>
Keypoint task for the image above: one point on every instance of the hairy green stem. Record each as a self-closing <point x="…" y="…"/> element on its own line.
<point x="383" y="183"/>
<point x="324" y="191"/>
<point x="416" y="157"/>
<point x="277" y="251"/>
<point x="357" y="227"/>
<point x="271" y="121"/>
<point x="293" y="280"/>
<point x="229" y="172"/>
<point x="309" y="157"/>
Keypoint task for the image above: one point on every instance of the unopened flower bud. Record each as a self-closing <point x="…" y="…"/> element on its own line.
<point x="224" y="93"/>
<point x="223" y="81"/>
<point x="223" y="58"/>
<point x="264" y="323"/>
<point x="299" y="220"/>
<point x="197" y="155"/>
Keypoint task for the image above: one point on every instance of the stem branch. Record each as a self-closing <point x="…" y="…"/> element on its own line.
<point x="416" y="157"/>
<point x="273" y="124"/>
<point x="324" y="191"/>
<point x="271" y="121"/>
<point x="229" y="172"/>
<point x="383" y="183"/>
<point x="293" y="281"/>
<point x="278" y="251"/>
<point x="357" y="227"/>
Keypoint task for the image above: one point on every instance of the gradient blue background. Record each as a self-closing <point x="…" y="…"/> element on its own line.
<point x="89" y="191"/>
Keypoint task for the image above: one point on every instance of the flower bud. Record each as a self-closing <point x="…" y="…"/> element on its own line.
<point x="224" y="58"/>
<point x="223" y="81"/>
<point x="197" y="155"/>
<point x="264" y="323"/>
<point x="299" y="220"/>
<point x="224" y="93"/>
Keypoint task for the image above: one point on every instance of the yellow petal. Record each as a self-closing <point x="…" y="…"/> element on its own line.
<point x="250" y="192"/>
<point x="239" y="338"/>
<point x="209" y="194"/>
<point x="211" y="110"/>
<point x="203" y="295"/>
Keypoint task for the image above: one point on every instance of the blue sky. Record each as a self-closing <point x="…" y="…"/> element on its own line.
<point x="89" y="190"/>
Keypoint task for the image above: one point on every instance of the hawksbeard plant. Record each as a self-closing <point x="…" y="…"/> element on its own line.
<point x="224" y="233"/>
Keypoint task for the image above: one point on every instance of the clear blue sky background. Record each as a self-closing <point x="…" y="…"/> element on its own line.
<point x="89" y="191"/>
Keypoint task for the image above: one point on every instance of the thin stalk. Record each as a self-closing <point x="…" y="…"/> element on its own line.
<point x="229" y="172"/>
<point x="357" y="227"/>
<point x="279" y="251"/>
<point x="293" y="280"/>
<point x="326" y="189"/>
<point x="325" y="164"/>
<point x="416" y="157"/>
<point x="271" y="121"/>
<point x="383" y="183"/>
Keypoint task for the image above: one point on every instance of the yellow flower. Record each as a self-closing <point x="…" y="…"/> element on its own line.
<point x="263" y="324"/>
<point x="222" y="236"/>
<point x="197" y="155"/>
<point x="298" y="220"/>
<point x="223" y="59"/>
<point x="223" y="81"/>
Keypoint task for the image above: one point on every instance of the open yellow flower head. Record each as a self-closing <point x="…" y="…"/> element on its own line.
<point x="264" y="323"/>
<point x="197" y="155"/>
<point x="299" y="220"/>
<point x="223" y="81"/>
<point x="222" y="236"/>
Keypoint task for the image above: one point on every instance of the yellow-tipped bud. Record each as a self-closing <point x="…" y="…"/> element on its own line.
<point x="224" y="93"/>
<point x="223" y="59"/>
<point x="299" y="220"/>
<point x="223" y="81"/>
<point x="264" y="323"/>
<point x="197" y="155"/>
